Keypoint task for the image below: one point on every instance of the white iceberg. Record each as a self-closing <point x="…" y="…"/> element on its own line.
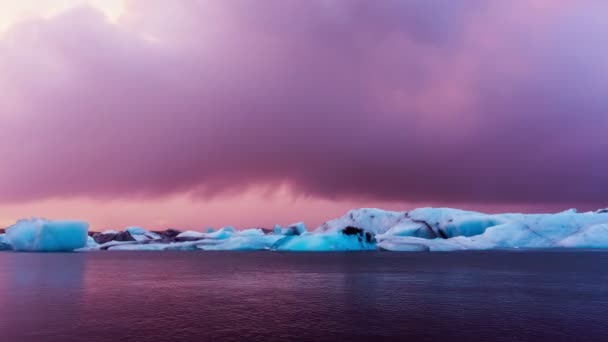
<point x="375" y="221"/>
<point x="191" y="234"/>
<point x="40" y="235"/>
<point x="454" y="229"/>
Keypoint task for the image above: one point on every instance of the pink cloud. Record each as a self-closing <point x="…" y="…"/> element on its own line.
<point x="417" y="101"/>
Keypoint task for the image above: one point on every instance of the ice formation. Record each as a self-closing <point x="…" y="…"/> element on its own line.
<point x="4" y="245"/>
<point x="419" y="230"/>
<point x="39" y="235"/>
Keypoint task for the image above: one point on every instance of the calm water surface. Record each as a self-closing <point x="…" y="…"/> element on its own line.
<point x="264" y="296"/>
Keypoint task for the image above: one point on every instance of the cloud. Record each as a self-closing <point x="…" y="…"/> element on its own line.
<point x="392" y="100"/>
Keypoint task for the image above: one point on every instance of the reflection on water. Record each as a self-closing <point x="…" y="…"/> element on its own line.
<point x="167" y="296"/>
<point x="38" y="291"/>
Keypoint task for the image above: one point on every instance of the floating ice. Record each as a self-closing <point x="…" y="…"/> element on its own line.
<point x="590" y="237"/>
<point x="348" y="239"/>
<point x="91" y="242"/>
<point x="424" y="229"/>
<point x="141" y="234"/>
<point x="294" y="229"/>
<point x="190" y="234"/>
<point x="224" y="233"/>
<point x="136" y="230"/>
<point x="39" y="235"/>
<point x="247" y="242"/>
<point x="4" y="245"/>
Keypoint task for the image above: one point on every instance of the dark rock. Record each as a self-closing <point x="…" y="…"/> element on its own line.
<point x="352" y="231"/>
<point x="105" y="238"/>
<point x="360" y="233"/>
<point x="369" y="237"/>
<point x="267" y="231"/>
<point x="169" y="233"/>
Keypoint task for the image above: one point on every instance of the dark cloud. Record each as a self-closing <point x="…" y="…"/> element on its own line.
<point x="392" y="100"/>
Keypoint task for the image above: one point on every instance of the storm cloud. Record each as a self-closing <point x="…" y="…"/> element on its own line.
<point x="458" y="101"/>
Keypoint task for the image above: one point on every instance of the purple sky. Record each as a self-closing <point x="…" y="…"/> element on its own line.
<point x="424" y="102"/>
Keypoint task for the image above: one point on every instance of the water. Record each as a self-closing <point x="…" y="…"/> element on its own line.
<point x="190" y="296"/>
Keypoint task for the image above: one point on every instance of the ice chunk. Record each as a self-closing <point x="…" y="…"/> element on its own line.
<point x="403" y="247"/>
<point x="469" y="225"/>
<point x="409" y="229"/>
<point x="295" y="229"/>
<point x="141" y="234"/>
<point x="224" y="233"/>
<point x="4" y="245"/>
<point x="372" y="220"/>
<point x="251" y="232"/>
<point x="247" y="242"/>
<point x="136" y="230"/>
<point x="139" y="247"/>
<point x="40" y="235"/>
<point x="591" y="237"/>
<point x="174" y="246"/>
<point x="460" y="243"/>
<point x="91" y="242"/>
<point x="511" y="235"/>
<point x="330" y="241"/>
<point x="190" y="234"/>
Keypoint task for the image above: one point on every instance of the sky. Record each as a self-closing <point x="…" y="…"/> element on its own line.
<point x="198" y="113"/>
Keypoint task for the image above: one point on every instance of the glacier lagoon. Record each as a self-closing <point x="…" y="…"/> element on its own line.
<point x="419" y="230"/>
<point x="556" y="295"/>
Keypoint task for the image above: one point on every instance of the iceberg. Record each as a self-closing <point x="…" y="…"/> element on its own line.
<point x="366" y="229"/>
<point x="40" y="235"/>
